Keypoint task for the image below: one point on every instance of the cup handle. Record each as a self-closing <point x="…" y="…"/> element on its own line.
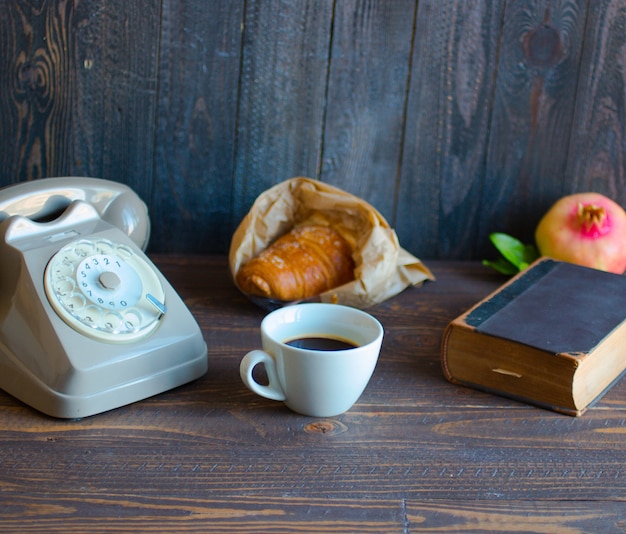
<point x="250" y="361"/>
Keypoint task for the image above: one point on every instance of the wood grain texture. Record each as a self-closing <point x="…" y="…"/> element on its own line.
<point x="130" y="93"/>
<point x="282" y="96"/>
<point x="367" y="86"/>
<point x="80" y="91"/>
<point x="414" y="454"/>
<point x="447" y="126"/>
<point x="38" y="86"/>
<point x="596" y="154"/>
<point x="532" y="114"/>
<point x="454" y="118"/>
<point x="519" y="516"/>
<point x="196" y="125"/>
<point x="257" y="515"/>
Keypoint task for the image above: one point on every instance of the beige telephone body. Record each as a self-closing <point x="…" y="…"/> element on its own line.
<point x="87" y="322"/>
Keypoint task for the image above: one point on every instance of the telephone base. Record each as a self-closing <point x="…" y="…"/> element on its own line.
<point x="45" y="399"/>
<point x="87" y="322"/>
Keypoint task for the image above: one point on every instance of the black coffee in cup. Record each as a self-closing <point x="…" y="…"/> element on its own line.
<point x="321" y="343"/>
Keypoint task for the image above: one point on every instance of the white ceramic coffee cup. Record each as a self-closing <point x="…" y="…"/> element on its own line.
<point x="320" y="383"/>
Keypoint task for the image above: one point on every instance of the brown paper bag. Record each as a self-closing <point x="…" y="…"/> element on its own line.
<point x="382" y="268"/>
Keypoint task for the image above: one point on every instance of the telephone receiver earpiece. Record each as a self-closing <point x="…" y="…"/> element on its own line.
<point x="46" y="199"/>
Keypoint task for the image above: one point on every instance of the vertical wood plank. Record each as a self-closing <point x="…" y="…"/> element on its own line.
<point x="11" y="96"/>
<point x="504" y="111"/>
<point x="37" y="86"/>
<point x="447" y="126"/>
<point x="195" y="138"/>
<point x="130" y="51"/>
<point x="79" y="90"/>
<point x="596" y="158"/>
<point x="92" y="84"/>
<point x="114" y="105"/>
<point x="282" y="98"/>
<point x="532" y="115"/>
<point x="367" y="87"/>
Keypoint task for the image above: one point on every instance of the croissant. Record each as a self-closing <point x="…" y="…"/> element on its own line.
<point x="303" y="263"/>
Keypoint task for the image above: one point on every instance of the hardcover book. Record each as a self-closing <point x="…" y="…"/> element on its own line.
<point x="554" y="335"/>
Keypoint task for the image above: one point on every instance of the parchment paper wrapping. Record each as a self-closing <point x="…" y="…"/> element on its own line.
<point x="382" y="268"/>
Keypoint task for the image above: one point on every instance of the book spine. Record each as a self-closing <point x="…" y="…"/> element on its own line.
<point x="444" y="353"/>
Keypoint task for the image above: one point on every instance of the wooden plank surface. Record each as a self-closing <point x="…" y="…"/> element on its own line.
<point x="366" y="99"/>
<point x="533" y="105"/>
<point x="196" y="126"/>
<point x="596" y="153"/>
<point x="453" y="118"/>
<point x="129" y="91"/>
<point x="415" y="453"/>
<point x="447" y="126"/>
<point x="79" y="90"/>
<point x="282" y="96"/>
<point x="39" y="81"/>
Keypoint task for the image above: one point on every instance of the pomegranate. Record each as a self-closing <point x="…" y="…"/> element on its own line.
<point x="587" y="229"/>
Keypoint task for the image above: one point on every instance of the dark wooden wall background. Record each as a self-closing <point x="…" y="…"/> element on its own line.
<point x="454" y="118"/>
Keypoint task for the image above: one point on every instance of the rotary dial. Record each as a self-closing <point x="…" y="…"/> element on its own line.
<point x="104" y="290"/>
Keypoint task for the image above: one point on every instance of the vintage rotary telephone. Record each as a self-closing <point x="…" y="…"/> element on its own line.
<point x="87" y="322"/>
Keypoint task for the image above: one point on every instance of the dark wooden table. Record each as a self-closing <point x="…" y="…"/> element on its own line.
<point x="415" y="454"/>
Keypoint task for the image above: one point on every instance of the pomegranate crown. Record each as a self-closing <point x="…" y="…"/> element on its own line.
<point x="591" y="216"/>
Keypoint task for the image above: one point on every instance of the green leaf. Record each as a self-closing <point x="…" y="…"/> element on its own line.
<point x="516" y="256"/>
<point x="514" y="250"/>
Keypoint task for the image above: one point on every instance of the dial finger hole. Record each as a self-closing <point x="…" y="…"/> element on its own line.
<point x="75" y="302"/>
<point x="66" y="265"/>
<point x="113" y="321"/>
<point x="124" y="252"/>
<point x="105" y="246"/>
<point x="84" y="249"/>
<point x="131" y="321"/>
<point x="62" y="271"/>
<point x="64" y="286"/>
<point x="92" y="315"/>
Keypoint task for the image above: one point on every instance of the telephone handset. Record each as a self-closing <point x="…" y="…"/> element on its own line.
<point x="46" y="199"/>
<point x="87" y="322"/>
